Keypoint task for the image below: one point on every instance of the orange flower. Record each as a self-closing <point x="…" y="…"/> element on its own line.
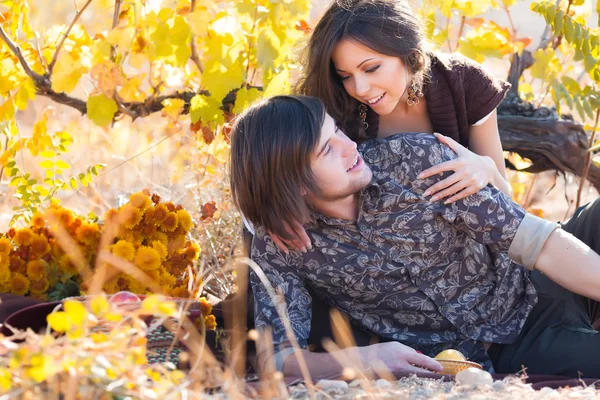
<point x="159" y="214"/>
<point x="19" y="284"/>
<point x="5" y="245"/>
<point x="147" y="258"/>
<point x="161" y="237"/>
<point x="38" y="220"/>
<point x="37" y="269"/>
<point x="155" y="198"/>
<point x="67" y="266"/>
<point x="185" y="220"/>
<point x="88" y="234"/>
<point x="4" y="261"/>
<point x="39" y="287"/>
<point x="39" y="246"/>
<point x="167" y="280"/>
<point x="123" y="249"/>
<point x="170" y="223"/>
<point x="4" y="275"/>
<point x="192" y="251"/>
<point x="17" y="264"/>
<point x="140" y="200"/>
<point x="23" y="237"/>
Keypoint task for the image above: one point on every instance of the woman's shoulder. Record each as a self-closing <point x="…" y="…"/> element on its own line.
<point x="454" y="62"/>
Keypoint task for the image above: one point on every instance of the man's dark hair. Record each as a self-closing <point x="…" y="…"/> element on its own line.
<point x="271" y="146"/>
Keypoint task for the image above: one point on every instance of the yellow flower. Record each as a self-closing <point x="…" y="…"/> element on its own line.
<point x="159" y="214"/>
<point x="176" y="243"/>
<point x="63" y="215"/>
<point x="167" y="280"/>
<point x="205" y="306"/>
<point x="147" y="258"/>
<point x="140" y="200"/>
<point x="41" y="286"/>
<point x="67" y="266"/>
<point x="4" y="274"/>
<point x="192" y="251"/>
<point x="180" y="291"/>
<point x="5" y="246"/>
<point x="131" y="216"/>
<point x="161" y="237"/>
<point x="160" y="248"/>
<point x="88" y="234"/>
<point x="170" y="223"/>
<point x="17" y="264"/>
<point x="38" y="220"/>
<point x="39" y="246"/>
<point x="210" y="322"/>
<point x="4" y="261"/>
<point x="123" y="249"/>
<point x="37" y="269"/>
<point x="185" y="220"/>
<point x="23" y="237"/>
<point x="19" y="284"/>
<point x="111" y="285"/>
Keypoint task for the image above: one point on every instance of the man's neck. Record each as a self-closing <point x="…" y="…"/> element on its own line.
<point x="346" y="208"/>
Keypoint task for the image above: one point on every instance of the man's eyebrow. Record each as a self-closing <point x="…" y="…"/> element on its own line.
<point x="323" y="148"/>
<point x="358" y="66"/>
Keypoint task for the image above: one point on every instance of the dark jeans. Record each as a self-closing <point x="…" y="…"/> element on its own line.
<point x="559" y="336"/>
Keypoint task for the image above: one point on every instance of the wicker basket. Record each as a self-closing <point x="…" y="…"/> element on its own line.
<point x="453" y="367"/>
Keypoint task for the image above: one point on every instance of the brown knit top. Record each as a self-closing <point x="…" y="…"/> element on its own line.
<point x="459" y="92"/>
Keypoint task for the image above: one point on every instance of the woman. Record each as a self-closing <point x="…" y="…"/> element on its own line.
<point x="368" y="60"/>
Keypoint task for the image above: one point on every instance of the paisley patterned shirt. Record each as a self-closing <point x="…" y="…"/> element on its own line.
<point x="429" y="275"/>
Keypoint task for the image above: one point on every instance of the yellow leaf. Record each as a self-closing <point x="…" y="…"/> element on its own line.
<point x="99" y="306"/>
<point x="76" y="311"/>
<point x="47" y="164"/>
<point x="62" y="164"/>
<point x="101" y="110"/>
<point x="66" y="73"/>
<point x="244" y="98"/>
<point x="47" y="153"/>
<point x="59" y="321"/>
<point x="5" y="379"/>
<point x="199" y="20"/>
<point x="173" y="107"/>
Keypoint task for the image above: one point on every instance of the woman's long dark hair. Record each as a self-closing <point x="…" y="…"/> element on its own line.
<point x="387" y="27"/>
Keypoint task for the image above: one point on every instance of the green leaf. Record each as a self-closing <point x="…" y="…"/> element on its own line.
<point x="101" y="110"/>
<point x="588" y="108"/>
<point x="590" y="63"/>
<point x="579" y="106"/>
<point x="569" y="30"/>
<point x="73" y="183"/>
<point x="558" y="22"/>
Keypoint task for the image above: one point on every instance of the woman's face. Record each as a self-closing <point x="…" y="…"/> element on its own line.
<point x="374" y="79"/>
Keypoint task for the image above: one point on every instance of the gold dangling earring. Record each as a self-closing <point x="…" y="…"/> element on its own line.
<point x="413" y="94"/>
<point x="362" y="115"/>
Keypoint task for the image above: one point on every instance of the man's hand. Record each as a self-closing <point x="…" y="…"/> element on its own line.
<point x="397" y="357"/>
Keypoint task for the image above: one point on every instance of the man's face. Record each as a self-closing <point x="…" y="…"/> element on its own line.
<point x="339" y="170"/>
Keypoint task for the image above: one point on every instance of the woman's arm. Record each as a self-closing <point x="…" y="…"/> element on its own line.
<point x="484" y="140"/>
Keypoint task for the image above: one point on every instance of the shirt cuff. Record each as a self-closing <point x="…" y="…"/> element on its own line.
<point x="482" y="120"/>
<point x="529" y="240"/>
<point x="280" y="356"/>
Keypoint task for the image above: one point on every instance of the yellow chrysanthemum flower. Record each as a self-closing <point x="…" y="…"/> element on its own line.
<point x="140" y="200"/>
<point x="5" y="245"/>
<point x="5" y="275"/>
<point x="63" y="215"/>
<point x="159" y="214"/>
<point x="167" y="280"/>
<point x="39" y="287"/>
<point x="37" y="269"/>
<point x="23" y="237"/>
<point x="161" y="237"/>
<point x="88" y="234"/>
<point x="19" y="284"/>
<point x="39" y="246"/>
<point x="185" y="220"/>
<point x="180" y="291"/>
<point x="4" y="261"/>
<point x="160" y="248"/>
<point x="38" y="220"/>
<point x="170" y="223"/>
<point x="111" y="285"/>
<point x="205" y="306"/>
<point x="131" y="216"/>
<point x="17" y="264"/>
<point x="147" y="258"/>
<point x="210" y="322"/>
<point x="123" y="249"/>
<point x="192" y="251"/>
<point x="67" y="267"/>
<point x="176" y="243"/>
<point x="154" y="274"/>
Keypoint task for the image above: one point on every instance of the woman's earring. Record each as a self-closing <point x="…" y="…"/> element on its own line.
<point x="413" y="94"/>
<point x="362" y="115"/>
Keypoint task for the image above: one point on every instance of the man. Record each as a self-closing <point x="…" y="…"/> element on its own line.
<point x="420" y="274"/>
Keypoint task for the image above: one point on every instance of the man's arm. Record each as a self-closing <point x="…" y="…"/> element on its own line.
<point x="570" y="263"/>
<point x="392" y="356"/>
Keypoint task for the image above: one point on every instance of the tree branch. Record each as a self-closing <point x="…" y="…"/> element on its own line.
<point x="17" y="52"/>
<point x="117" y="12"/>
<point x="64" y="38"/>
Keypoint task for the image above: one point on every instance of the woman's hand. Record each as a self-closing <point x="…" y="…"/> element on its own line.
<point x="300" y="241"/>
<point x="472" y="172"/>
